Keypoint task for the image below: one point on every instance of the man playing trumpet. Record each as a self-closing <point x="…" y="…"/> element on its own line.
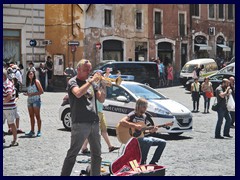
<point x="85" y="120"/>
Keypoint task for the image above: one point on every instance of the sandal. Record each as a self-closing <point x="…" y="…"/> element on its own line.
<point x="14" y="143"/>
<point x="112" y="148"/>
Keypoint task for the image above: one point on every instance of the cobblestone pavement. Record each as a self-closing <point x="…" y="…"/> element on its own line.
<point x="194" y="153"/>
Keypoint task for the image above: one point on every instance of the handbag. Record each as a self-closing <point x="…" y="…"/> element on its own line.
<point x="231" y="103"/>
<point x="209" y="94"/>
<point x="215" y="105"/>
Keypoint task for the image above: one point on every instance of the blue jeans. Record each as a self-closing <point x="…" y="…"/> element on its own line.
<point x="145" y="144"/>
<point x="223" y="113"/>
<point x="206" y="102"/>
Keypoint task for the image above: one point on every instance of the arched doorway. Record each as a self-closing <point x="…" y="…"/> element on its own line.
<point x="113" y="50"/>
<point x="200" y="47"/>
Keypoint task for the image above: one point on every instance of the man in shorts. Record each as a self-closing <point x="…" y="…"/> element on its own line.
<point x="9" y="106"/>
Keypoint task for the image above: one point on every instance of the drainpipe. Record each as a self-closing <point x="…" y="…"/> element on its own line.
<point x="72" y="18"/>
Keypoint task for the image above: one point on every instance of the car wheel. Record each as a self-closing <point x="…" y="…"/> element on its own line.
<point x="175" y="134"/>
<point x="66" y="119"/>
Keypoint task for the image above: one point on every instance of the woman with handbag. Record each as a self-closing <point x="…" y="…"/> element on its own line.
<point x="207" y="94"/>
<point x="195" y="91"/>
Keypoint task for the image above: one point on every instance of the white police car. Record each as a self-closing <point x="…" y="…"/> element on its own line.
<point x="121" y="100"/>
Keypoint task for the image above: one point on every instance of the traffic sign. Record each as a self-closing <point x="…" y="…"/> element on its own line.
<point x="33" y="42"/>
<point x="98" y="45"/>
<point x="73" y="43"/>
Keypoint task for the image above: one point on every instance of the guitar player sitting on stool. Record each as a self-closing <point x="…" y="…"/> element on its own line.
<point x="133" y="120"/>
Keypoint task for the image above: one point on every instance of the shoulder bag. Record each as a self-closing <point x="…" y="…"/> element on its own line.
<point x="215" y="105"/>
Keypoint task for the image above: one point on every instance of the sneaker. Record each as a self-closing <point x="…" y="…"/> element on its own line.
<point x="39" y="134"/>
<point x="228" y="136"/>
<point x="86" y="151"/>
<point x="14" y="143"/>
<point x="219" y="137"/>
<point x="19" y="131"/>
<point x="113" y="148"/>
<point x="30" y="133"/>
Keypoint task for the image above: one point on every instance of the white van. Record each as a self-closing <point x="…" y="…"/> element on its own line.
<point x="210" y="66"/>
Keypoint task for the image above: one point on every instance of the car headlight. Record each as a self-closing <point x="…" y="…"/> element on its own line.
<point x="162" y="111"/>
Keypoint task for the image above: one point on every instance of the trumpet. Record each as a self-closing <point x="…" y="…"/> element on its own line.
<point x="108" y="81"/>
<point x="105" y="81"/>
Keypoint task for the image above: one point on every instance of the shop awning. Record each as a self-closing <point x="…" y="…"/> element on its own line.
<point x="203" y="47"/>
<point x="224" y="47"/>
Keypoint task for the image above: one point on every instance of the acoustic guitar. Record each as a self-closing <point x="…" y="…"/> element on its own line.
<point x="125" y="133"/>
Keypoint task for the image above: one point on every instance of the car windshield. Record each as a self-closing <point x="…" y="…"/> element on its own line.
<point x="188" y="68"/>
<point x="143" y="91"/>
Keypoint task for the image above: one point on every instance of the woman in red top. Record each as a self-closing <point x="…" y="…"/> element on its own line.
<point x="170" y="74"/>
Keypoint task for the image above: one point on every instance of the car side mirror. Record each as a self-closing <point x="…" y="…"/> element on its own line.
<point x="122" y="99"/>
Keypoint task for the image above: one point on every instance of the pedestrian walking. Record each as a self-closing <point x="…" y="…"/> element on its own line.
<point x="34" y="90"/>
<point x="9" y="106"/>
<point x="31" y="67"/>
<point x="103" y="128"/>
<point x="69" y="72"/>
<point x="18" y="77"/>
<point x="222" y="92"/>
<point x="232" y="113"/>
<point x="42" y="75"/>
<point x="108" y="72"/>
<point x="161" y="67"/>
<point x="195" y="91"/>
<point x="207" y="93"/>
<point x="12" y="77"/>
<point x="49" y="66"/>
<point x="85" y="121"/>
<point x="199" y="69"/>
<point x="169" y="75"/>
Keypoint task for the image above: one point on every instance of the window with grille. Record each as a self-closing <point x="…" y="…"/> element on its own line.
<point x="158" y="23"/>
<point x="211" y="11"/>
<point x="230" y="11"/>
<point x="181" y="25"/>
<point x="138" y="20"/>
<point x="220" y="11"/>
<point x="194" y="9"/>
<point x="107" y="15"/>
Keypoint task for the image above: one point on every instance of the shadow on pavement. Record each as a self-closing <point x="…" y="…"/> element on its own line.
<point x="63" y="129"/>
<point x="25" y="136"/>
<point x="6" y="146"/>
<point x="170" y="137"/>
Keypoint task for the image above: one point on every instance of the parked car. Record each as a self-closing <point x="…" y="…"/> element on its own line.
<point x="143" y="72"/>
<point x="228" y="69"/>
<point x="121" y="99"/>
<point x="230" y="62"/>
<point x="210" y="67"/>
<point x="215" y="79"/>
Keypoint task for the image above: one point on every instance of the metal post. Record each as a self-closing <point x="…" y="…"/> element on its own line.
<point x="32" y="35"/>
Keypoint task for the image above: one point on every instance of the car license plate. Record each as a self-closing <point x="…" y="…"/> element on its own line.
<point x="185" y="120"/>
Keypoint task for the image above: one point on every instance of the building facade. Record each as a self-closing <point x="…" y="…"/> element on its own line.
<point x="22" y="23"/>
<point x="175" y="33"/>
